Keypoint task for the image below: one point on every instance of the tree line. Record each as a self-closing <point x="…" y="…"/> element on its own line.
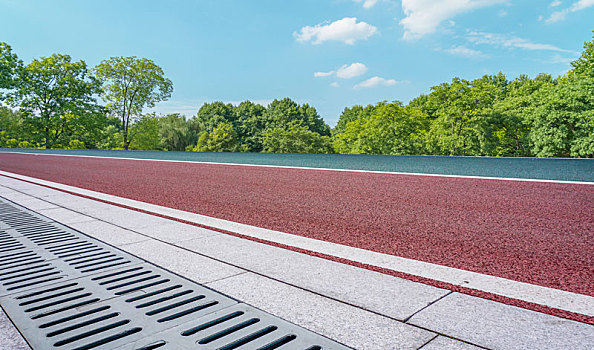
<point x="53" y="102"/>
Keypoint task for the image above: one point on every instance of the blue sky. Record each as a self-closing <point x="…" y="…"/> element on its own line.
<point x="330" y="54"/>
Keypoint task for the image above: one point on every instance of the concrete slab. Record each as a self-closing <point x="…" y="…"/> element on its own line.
<point x="10" y="338"/>
<point x="83" y="205"/>
<point x="109" y="233"/>
<point x="180" y="261"/>
<point x="65" y="216"/>
<point x="500" y="326"/>
<point x="130" y="219"/>
<point x="445" y="343"/>
<point x="35" y="203"/>
<point x="40" y="191"/>
<point x="173" y="232"/>
<point x="349" y="325"/>
<point x="391" y="296"/>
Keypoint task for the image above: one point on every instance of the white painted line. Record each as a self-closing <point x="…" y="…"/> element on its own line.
<point x="322" y="169"/>
<point x="559" y="299"/>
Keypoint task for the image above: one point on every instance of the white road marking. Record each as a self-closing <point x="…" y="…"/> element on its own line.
<point x="559" y="299"/>
<point x="322" y="169"/>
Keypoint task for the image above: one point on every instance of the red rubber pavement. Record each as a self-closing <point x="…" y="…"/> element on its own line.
<point x="540" y="233"/>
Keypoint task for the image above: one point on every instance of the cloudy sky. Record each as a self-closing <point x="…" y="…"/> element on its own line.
<point x="330" y="54"/>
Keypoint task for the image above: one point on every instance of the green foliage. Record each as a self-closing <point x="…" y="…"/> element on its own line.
<point x="111" y="138"/>
<point x="130" y="85"/>
<point x="144" y="134"/>
<point x="210" y="115"/>
<point x="52" y="93"/>
<point x="584" y="66"/>
<point x="175" y="133"/>
<point x="389" y="129"/>
<point x="222" y="138"/>
<point x="295" y="139"/>
<point x="76" y="144"/>
<point x="563" y="121"/>
<point x="9" y="68"/>
<point x="286" y="113"/>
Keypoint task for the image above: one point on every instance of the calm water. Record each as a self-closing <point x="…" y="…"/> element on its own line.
<point x="531" y="168"/>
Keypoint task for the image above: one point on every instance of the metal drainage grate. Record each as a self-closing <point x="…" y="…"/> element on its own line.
<point x="65" y="290"/>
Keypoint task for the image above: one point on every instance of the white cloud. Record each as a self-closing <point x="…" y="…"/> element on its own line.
<point x="334" y="84"/>
<point x="575" y="7"/>
<point x="555" y="3"/>
<point x="367" y="3"/>
<point x="464" y="51"/>
<point x="351" y="71"/>
<point x="424" y="16"/>
<point x="375" y="81"/>
<point x="323" y="74"/>
<point x="505" y="41"/>
<point x="347" y="30"/>
<point x="346" y="71"/>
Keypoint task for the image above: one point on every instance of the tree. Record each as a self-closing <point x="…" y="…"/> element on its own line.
<point x="584" y="66"/>
<point x="222" y="138"/>
<point x="286" y="113"/>
<point x="511" y="116"/>
<point x="462" y="124"/>
<point x="391" y="129"/>
<point x="130" y="85"/>
<point x="9" y="67"/>
<point x="210" y="115"/>
<point x="295" y="139"/>
<point x="175" y="133"/>
<point x="251" y="123"/>
<point x="53" y="92"/>
<point x="144" y="134"/>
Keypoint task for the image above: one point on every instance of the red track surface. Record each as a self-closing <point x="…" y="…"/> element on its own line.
<point x="540" y="233"/>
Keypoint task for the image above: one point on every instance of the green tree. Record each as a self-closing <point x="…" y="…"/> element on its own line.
<point x="390" y="129"/>
<point x="175" y="133"/>
<point x="251" y="123"/>
<point x="286" y="113"/>
<point x="563" y="121"/>
<point x="462" y="122"/>
<point x="295" y="139"/>
<point x="222" y="138"/>
<point x="210" y="115"/>
<point x="111" y="138"/>
<point x="130" y="85"/>
<point x="584" y="66"/>
<point x="511" y="116"/>
<point x="9" y="68"/>
<point x="144" y="134"/>
<point x="53" y="92"/>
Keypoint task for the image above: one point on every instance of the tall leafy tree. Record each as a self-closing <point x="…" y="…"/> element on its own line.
<point x="251" y="123"/>
<point x="175" y="133"/>
<point x="295" y="139"/>
<point x="9" y="68"/>
<point x="390" y="129"/>
<point x="210" y="115"/>
<point x="54" y="92"/>
<point x="285" y="113"/>
<point x="130" y="85"/>
<point x="222" y="138"/>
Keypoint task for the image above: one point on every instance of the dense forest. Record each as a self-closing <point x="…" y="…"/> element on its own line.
<point x="53" y="102"/>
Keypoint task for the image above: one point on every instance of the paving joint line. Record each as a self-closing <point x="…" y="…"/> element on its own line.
<point x="429" y="341"/>
<point x="426" y="306"/>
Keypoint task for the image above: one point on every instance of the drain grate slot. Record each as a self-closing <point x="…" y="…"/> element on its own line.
<point x="65" y="290"/>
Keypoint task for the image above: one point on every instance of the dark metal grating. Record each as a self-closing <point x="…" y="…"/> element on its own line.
<point x="65" y="290"/>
